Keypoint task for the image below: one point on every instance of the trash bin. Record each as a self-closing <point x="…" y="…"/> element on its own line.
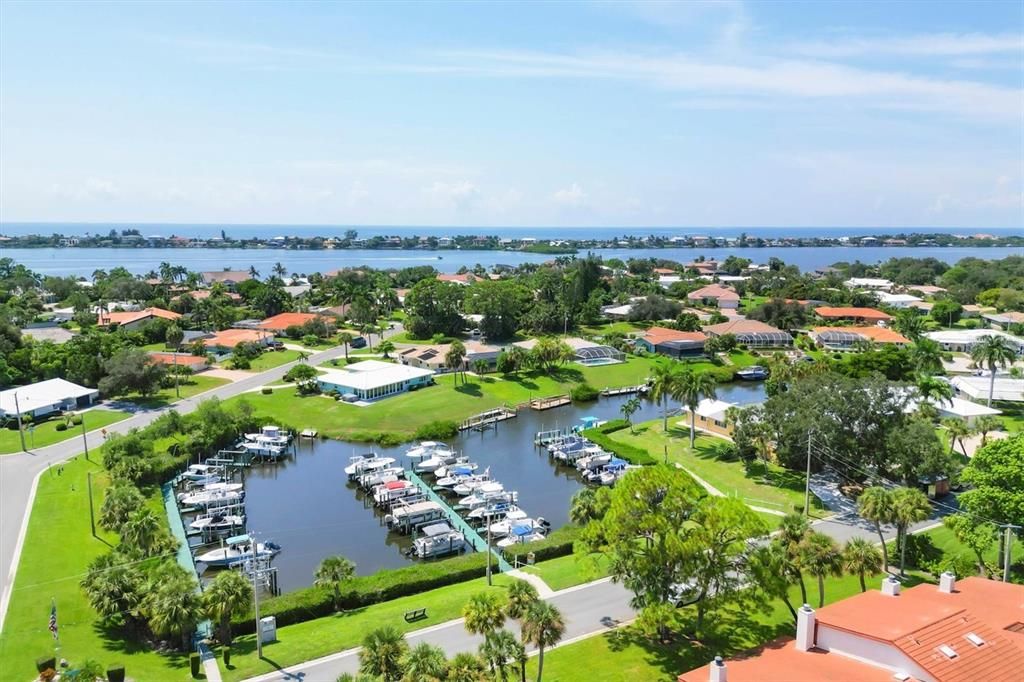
<point x="531" y="558"/>
<point x="268" y="629"/>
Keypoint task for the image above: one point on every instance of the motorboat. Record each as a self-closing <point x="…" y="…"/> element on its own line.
<point x="218" y="523"/>
<point x="202" y="473"/>
<point x="426" y="449"/>
<point x="471" y="484"/>
<point x="566" y="442"/>
<point x="270" y="435"/>
<point x="211" y="498"/>
<point x="456" y="474"/>
<point x="499" y="508"/>
<point x="380" y="476"/>
<point x="487" y="491"/>
<point x="520" y="535"/>
<point x="752" y="373"/>
<point x="263" y="449"/>
<point x="593" y="462"/>
<point x="437" y="460"/>
<point x="392" y="491"/>
<point x="405" y="517"/>
<point x="459" y="463"/>
<point x="613" y="472"/>
<point x="237" y="549"/>
<point x="514" y="517"/>
<point x="220" y="486"/>
<point x="365" y="463"/>
<point x="437" y="539"/>
<point x="571" y="452"/>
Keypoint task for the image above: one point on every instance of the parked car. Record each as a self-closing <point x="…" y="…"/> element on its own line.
<point x="358" y="342"/>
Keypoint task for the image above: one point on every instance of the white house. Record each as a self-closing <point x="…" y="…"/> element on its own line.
<point x="964" y="340"/>
<point x="373" y="379"/>
<point x="897" y="300"/>
<point x="45" y="397"/>
<point x="976" y="388"/>
<point x="868" y="283"/>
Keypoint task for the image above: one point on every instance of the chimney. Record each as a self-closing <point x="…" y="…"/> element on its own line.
<point x="717" y="670"/>
<point x="947" y="582"/>
<point x="891" y="586"/>
<point x="805" y="628"/>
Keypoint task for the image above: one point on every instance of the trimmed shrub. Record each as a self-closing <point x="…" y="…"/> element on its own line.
<point x="582" y="393"/>
<point x="559" y="543"/>
<point x="61" y="427"/>
<point x="385" y="585"/>
<point x="76" y="420"/>
<point x="266" y="390"/>
<point x="46" y="663"/>
<point x="438" y="430"/>
<point x="115" y="673"/>
<point x="630" y="453"/>
<point x="194" y="663"/>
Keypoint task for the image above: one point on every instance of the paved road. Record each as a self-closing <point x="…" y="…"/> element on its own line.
<point x="18" y="472"/>
<point x="590" y="608"/>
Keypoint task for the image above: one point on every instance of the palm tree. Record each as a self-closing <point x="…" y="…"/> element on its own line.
<point x="583" y="506"/>
<point x="628" y="409"/>
<point x="175" y="608"/>
<point x="229" y="595"/>
<point x="385" y="347"/>
<point x="771" y="571"/>
<point x="484" y="614"/>
<point x="358" y="677"/>
<point x="383" y="652"/>
<point x="663" y="384"/>
<point x="690" y="389"/>
<point x="926" y="356"/>
<point x="142" y="533"/>
<point x="521" y="596"/>
<point x="481" y="367"/>
<point x="500" y="649"/>
<point x="174" y="336"/>
<point x="985" y="424"/>
<point x="958" y="430"/>
<point x="792" y="532"/>
<point x="368" y="329"/>
<point x="333" y="572"/>
<point x="909" y="505"/>
<point x="115" y="591"/>
<point x="424" y="662"/>
<point x="822" y="557"/>
<point x="861" y="557"/>
<point x="875" y="505"/>
<point x="933" y="390"/>
<point x="543" y="626"/>
<point x="993" y="352"/>
<point x="466" y="667"/>
<point x="253" y="272"/>
<point x="166" y="272"/>
<point x="279" y="270"/>
<point x="345" y="338"/>
<point x="121" y="501"/>
<point x="910" y="324"/>
<point x="455" y="356"/>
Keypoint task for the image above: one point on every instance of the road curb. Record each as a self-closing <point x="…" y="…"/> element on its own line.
<point x="5" y="600"/>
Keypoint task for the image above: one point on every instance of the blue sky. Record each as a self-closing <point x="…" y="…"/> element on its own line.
<point x="613" y="113"/>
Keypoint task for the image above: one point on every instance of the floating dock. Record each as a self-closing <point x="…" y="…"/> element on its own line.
<point x="548" y="403"/>
<point x="308" y="433"/>
<point x="624" y="390"/>
<point x="488" y="419"/>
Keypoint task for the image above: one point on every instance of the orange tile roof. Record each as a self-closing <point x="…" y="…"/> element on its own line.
<point x="182" y="359"/>
<point x="657" y="335"/>
<point x="741" y="326"/>
<point x="781" y="661"/>
<point x="465" y="278"/>
<point x="713" y="291"/>
<point x="135" y="316"/>
<point x="862" y="313"/>
<point x="229" y="338"/>
<point x="200" y="294"/>
<point x="282" y="321"/>
<point x="876" y="334"/>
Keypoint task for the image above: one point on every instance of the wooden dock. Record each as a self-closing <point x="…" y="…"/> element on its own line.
<point x="488" y="419"/>
<point x="308" y="433"/>
<point x="548" y="403"/>
<point x="624" y="390"/>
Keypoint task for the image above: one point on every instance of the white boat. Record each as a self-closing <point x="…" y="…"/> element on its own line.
<point x="405" y="517"/>
<point x="217" y="523"/>
<point x="437" y="539"/>
<point x="389" y="492"/>
<point x="615" y="470"/>
<point x="593" y="462"/>
<point x="263" y="449"/>
<point x="438" y="459"/>
<point x="482" y="493"/>
<point x="426" y="449"/>
<point x="496" y="509"/>
<point x="236" y="550"/>
<point x="363" y="463"/>
<point x="270" y="435"/>
<point x="501" y="527"/>
<point x="380" y="476"/>
<point x="520" y="535"/>
<point x="472" y="484"/>
<point x="211" y="498"/>
<point x="202" y="473"/>
<point x="457" y="474"/>
<point x="460" y="463"/>
<point x="220" y="486"/>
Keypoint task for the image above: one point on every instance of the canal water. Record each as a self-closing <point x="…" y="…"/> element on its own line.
<point x="307" y="505"/>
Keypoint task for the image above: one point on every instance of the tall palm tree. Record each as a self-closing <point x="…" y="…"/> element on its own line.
<point x="521" y="596"/>
<point x="253" y="272"/>
<point x="466" y="667"/>
<point x="958" y="430"/>
<point x="933" y="390"/>
<point x="116" y="591"/>
<point x="382" y="653"/>
<point x="690" y="389"/>
<point x="502" y="648"/>
<point x="333" y="572"/>
<point x="368" y="330"/>
<point x="121" y="501"/>
<point x="142" y="533"/>
<point x="993" y="352"/>
<point x="543" y="626"/>
<point x="663" y="383"/>
<point x="771" y="571"/>
<point x="910" y="324"/>
<point x="229" y="595"/>
<point x="628" y="409"/>
<point x="424" y="663"/>
<point x="480" y="367"/>
<point x="583" y="506"/>
<point x="484" y="614"/>
<point x="174" y="608"/>
<point x="166" y="272"/>
<point x="386" y="347"/>
<point x="345" y="338"/>
<point x="926" y="356"/>
<point x="455" y="356"/>
<point x="861" y="557"/>
<point x="875" y="505"/>
<point x="279" y="270"/>
<point x="986" y="424"/>
<point x="822" y="557"/>
<point x="909" y="506"/>
<point x="792" y="532"/>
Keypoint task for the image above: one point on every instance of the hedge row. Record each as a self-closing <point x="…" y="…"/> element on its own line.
<point x="385" y="585"/>
<point x="630" y="453"/>
<point x="558" y="543"/>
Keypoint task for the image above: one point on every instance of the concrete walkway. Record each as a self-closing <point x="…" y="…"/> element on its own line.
<point x="712" y="490"/>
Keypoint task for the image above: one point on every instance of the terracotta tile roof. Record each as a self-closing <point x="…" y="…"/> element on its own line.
<point x="182" y="359"/>
<point x="658" y="335"/>
<point x="465" y="278"/>
<point x="229" y="338"/>
<point x="713" y="291"/>
<point x="201" y="294"/>
<point x="282" y="321"/>
<point x="780" y="661"/>
<point x="862" y="313"/>
<point x="739" y="326"/>
<point x="135" y="316"/>
<point x="664" y="271"/>
<point x="227" y="276"/>
<point x="876" y="334"/>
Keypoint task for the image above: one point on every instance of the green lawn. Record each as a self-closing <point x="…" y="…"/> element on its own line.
<point x="271" y="358"/>
<point x="47" y="434"/>
<point x="626" y="654"/>
<point x="627" y="328"/>
<point x="947" y="543"/>
<point x="1012" y="416"/>
<point x="782" y="490"/>
<point x="569" y="571"/>
<point x="57" y="551"/>
<point x="189" y="387"/>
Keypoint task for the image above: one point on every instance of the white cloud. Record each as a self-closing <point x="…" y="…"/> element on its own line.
<point x="91" y="189"/>
<point x="928" y="45"/>
<point x="570" y="196"/>
<point x="459" y="195"/>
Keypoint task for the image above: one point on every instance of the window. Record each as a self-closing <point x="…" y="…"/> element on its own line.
<point x="947" y="651"/>
<point x="974" y="639"/>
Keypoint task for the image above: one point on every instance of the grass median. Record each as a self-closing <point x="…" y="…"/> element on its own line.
<point x="41" y="435"/>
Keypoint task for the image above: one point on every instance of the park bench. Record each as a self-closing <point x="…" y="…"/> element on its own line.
<point x="415" y="614"/>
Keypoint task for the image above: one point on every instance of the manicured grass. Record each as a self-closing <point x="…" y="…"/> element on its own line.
<point x="47" y="434"/>
<point x="569" y="571"/>
<point x="56" y="554"/>
<point x="1012" y="416"/>
<point x="947" y="543"/>
<point x="627" y="328"/>
<point x="273" y="358"/>
<point x="189" y="387"/>
<point x="626" y="654"/>
<point x="781" y="490"/>
<point x="314" y="638"/>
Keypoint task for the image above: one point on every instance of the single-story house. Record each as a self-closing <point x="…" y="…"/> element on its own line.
<point x="135" y="320"/>
<point x="230" y="278"/>
<point x="196" y="363"/>
<point x="964" y="340"/>
<point x="752" y="333"/>
<point x="668" y="280"/>
<point x="926" y="289"/>
<point x="710" y="417"/>
<point x="45" y="397"/>
<point x="280" y="322"/>
<point x="715" y="294"/>
<point x="672" y="342"/>
<point x="1004" y="320"/>
<point x="53" y="333"/>
<point x="868" y="283"/>
<point x="433" y="356"/>
<point x="897" y="300"/>
<point x="851" y="313"/>
<point x="976" y="388"/>
<point x="587" y="352"/>
<point x="845" y="338"/>
<point x="465" y="279"/>
<point x="224" y="342"/>
<point x="962" y="409"/>
<point x="373" y="379"/>
<point x="203" y="294"/>
<point x="973" y="310"/>
<point x="617" y="312"/>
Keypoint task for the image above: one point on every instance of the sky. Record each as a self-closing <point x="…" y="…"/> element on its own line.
<point x="578" y="114"/>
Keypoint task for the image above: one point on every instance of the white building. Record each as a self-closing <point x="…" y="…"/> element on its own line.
<point x="373" y="379"/>
<point x="868" y="283"/>
<point x="964" y="340"/>
<point x="45" y="397"/>
<point x="897" y="300"/>
<point x="976" y="388"/>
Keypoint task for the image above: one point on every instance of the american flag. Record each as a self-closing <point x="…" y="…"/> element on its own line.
<point x="53" y="619"/>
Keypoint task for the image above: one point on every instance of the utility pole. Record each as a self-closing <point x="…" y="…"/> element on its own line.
<point x="488" y="517"/>
<point x="1007" y="546"/>
<point x="256" y="598"/>
<point x="177" y="379"/>
<point x="807" y="483"/>
<point x="92" y="514"/>
<point x="85" y="441"/>
<point x="21" y="424"/>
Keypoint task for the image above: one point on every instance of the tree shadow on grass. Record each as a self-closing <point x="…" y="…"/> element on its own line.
<point x="566" y="375"/>
<point x="470" y="389"/>
<point x="117" y="639"/>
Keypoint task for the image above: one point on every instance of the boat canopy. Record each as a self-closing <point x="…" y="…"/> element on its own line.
<point x="395" y="485"/>
<point x="521" y="530"/>
<point x="462" y="471"/>
<point x="589" y="420"/>
<point x="239" y="539"/>
<point x="435" y="529"/>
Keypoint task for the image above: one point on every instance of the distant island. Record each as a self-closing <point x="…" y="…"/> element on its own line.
<point x="350" y="239"/>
